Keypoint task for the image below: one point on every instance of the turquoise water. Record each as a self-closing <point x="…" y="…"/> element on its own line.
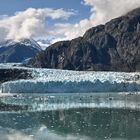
<point x="70" y="116"/>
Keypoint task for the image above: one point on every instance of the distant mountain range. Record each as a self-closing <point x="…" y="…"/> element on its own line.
<point x="114" y="46"/>
<point x="18" y="51"/>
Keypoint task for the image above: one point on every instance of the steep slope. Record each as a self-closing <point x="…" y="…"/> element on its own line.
<point x="114" y="46"/>
<point x="11" y="51"/>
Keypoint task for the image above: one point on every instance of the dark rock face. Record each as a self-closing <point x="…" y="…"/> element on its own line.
<point x="9" y="107"/>
<point x="14" y="74"/>
<point x="114" y="46"/>
<point x="11" y="51"/>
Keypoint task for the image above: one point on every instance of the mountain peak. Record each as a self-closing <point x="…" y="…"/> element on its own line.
<point x="25" y="41"/>
<point x="18" y="51"/>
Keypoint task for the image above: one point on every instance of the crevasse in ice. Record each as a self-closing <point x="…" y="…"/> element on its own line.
<point x="59" y="81"/>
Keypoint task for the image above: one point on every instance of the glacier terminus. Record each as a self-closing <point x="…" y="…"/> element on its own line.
<point x="65" y="81"/>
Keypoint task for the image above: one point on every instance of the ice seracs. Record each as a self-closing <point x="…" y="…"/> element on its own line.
<point x="64" y="81"/>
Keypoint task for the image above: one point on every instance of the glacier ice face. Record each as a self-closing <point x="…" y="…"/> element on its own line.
<point x="60" y="81"/>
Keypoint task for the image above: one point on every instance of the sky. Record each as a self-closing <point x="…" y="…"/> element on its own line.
<point x="7" y="8"/>
<point x="57" y="20"/>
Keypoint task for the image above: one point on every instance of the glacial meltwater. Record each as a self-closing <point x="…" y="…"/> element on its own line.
<point x="64" y="116"/>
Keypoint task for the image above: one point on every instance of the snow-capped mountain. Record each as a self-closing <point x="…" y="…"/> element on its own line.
<point x="18" y="51"/>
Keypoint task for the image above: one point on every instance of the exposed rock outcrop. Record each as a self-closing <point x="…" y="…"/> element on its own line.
<point x="114" y="46"/>
<point x="14" y="74"/>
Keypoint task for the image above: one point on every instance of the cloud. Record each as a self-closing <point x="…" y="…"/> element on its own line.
<point x="101" y="12"/>
<point x="29" y="23"/>
<point x="104" y="10"/>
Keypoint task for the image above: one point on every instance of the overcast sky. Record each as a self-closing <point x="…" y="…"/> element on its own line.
<point x="57" y="19"/>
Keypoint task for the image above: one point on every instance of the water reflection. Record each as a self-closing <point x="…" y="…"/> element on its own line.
<point x="83" y="123"/>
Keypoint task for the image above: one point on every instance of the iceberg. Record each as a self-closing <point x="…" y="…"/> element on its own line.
<point x="65" y="81"/>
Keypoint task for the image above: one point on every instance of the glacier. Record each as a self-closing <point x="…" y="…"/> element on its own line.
<point x="65" y="81"/>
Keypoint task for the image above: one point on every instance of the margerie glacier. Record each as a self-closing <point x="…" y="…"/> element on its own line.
<point x="64" y="81"/>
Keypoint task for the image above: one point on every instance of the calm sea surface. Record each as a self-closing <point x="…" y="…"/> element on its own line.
<point x="89" y="116"/>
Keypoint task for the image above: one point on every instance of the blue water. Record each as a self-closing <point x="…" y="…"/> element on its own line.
<point x="94" y="116"/>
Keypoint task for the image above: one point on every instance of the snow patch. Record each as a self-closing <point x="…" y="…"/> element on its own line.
<point x="27" y="42"/>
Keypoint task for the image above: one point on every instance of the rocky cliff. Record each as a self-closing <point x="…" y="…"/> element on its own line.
<point x="7" y="74"/>
<point x="114" y="46"/>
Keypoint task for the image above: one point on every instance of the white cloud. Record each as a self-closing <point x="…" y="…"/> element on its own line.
<point x="104" y="10"/>
<point x="29" y="23"/>
<point x="101" y="12"/>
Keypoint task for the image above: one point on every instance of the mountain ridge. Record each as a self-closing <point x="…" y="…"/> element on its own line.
<point x="18" y="51"/>
<point x="114" y="46"/>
